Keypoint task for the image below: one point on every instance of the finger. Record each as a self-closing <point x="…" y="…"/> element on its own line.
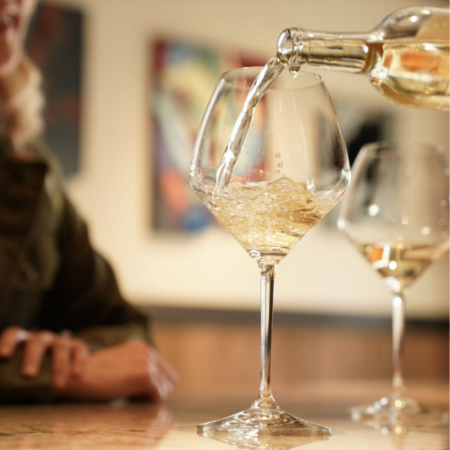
<point x="61" y="361"/>
<point x="157" y="388"/>
<point x="35" y="347"/>
<point x="80" y="353"/>
<point x="10" y="339"/>
<point x="167" y="384"/>
<point x="164" y="366"/>
<point x="171" y="373"/>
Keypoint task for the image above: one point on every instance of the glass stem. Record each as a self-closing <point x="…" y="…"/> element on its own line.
<point x="398" y="327"/>
<point x="265" y="398"/>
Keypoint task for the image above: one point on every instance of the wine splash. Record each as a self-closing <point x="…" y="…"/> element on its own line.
<point x="267" y="219"/>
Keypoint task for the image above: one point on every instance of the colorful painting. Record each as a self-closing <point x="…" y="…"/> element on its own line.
<point x="55" y="45"/>
<point x="184" y="76"/>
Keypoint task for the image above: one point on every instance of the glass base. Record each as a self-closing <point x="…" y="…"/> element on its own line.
<point x="398" y="415"/>
<point x="250" y="442"/>
<point x="262" y="422"/>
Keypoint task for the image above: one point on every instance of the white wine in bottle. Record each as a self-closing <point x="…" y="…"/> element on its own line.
<point x="406" y="57"/>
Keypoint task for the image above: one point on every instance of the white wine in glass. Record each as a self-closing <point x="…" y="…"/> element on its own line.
<point x="396" y="213"/>
<point x="268" y="187"/>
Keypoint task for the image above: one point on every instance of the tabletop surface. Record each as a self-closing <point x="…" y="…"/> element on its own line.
<point x="172" y="425"/>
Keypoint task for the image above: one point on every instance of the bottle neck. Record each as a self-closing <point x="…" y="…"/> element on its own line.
<point x="345" y="52"/>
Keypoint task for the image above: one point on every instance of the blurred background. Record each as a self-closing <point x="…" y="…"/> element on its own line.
<point x="127" y="84"/>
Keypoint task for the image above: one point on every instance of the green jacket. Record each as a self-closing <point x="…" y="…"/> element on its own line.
<point x="50" y="276"/>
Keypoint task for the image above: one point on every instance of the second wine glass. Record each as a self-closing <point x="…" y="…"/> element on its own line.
<point x="396" y="213"/>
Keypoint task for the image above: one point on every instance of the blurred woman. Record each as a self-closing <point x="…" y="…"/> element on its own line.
<point x="65" y="330"/>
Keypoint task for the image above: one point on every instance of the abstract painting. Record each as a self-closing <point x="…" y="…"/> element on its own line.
<point x="184" y="76"/>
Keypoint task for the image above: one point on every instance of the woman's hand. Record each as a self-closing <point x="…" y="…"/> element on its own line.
<point x="132" y="369"/>
<point x="68" y="355"/>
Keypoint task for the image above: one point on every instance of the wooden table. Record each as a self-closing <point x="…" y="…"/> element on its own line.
<point x="126" y="426"/>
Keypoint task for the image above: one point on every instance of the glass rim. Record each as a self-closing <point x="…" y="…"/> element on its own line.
<point x="318" y="80"/>
<point x="394" y="149"/>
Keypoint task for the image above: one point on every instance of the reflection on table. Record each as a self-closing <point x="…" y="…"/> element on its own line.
<point x="137" y="426"/>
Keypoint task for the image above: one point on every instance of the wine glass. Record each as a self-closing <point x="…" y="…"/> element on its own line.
<point x="291" y="170"/>
<point x="396" y="214"/>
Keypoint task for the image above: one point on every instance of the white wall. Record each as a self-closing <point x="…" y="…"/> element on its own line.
<point x="324" y="274"/>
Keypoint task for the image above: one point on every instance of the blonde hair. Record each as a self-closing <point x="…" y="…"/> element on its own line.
<point x="21" y="105"/>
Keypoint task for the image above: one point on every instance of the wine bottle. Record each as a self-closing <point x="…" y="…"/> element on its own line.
<point x="406" y="56"/>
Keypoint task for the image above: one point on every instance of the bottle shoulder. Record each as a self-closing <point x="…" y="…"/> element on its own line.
<point x="414" y="22"/>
